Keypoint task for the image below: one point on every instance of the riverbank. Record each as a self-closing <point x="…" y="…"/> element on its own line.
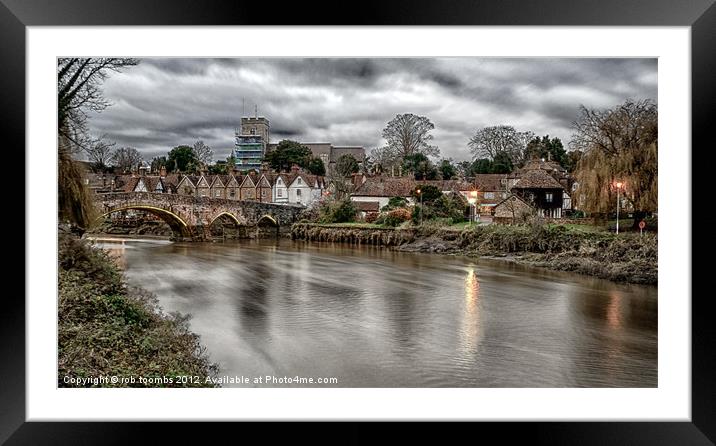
<point x="626" y="257"/>
<point x="109" y="329"/>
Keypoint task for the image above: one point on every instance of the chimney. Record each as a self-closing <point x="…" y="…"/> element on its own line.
<point x="549" y="156"/>
<point x="163" y="171"/>
<point x="264" y="167"/>
<point x="357" y="179"/>
<point x="294" y="169"/>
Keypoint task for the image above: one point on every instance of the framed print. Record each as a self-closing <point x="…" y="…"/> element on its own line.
<point x="440" y="215"/>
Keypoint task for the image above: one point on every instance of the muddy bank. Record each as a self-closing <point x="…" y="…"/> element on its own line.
<point x="624" y="258"/>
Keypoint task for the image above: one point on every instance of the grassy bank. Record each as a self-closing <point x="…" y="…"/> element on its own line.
<point x="626" y="257"/>
<point x="107" y="328"/>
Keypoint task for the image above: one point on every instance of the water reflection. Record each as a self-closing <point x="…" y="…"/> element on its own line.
<point x="378" y="318"/>
<point x="470" y="332"/>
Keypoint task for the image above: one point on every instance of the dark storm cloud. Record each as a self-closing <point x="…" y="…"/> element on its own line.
<point x="162" y="103"/>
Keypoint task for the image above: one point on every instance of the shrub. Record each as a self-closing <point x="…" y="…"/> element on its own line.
<point x="371" y="217"/>
<point x="428" y="213"/>
<point x="453" y="207"/>
<point x="337" y="211"/>
<point x="396" y="217"/>
<point x="394" y="203"/>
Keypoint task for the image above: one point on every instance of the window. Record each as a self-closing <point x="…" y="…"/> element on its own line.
<point x="279" y="192"/>
<point x="217" y="193"/>
<point x="232" y="193"/>
<point x="298" y="181"/>
<point x="548" y="197"/>
<point x="263" y="192"/>
<point x="298" y="192"/>
<point x="253" y="130"/>
<point x="489" y="195"/>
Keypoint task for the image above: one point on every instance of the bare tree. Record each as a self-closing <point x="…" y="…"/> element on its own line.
<point x="384" y="159"/>
<point x="99" y="152"/>
<point x="203" y="152"/>
<point x="408" y="134"/>
<point x="490" y="141"/>
<point x="78" y="90"/>
<point x="126" y="158"/>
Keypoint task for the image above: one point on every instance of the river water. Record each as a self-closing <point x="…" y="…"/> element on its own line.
<point x="371" y="317"/>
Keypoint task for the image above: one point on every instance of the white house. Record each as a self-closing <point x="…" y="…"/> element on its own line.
<point x="280" y="189"/>
<point x="305" y="189"/>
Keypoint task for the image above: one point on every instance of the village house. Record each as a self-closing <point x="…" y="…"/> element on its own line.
<point x="280" y="188"/>
<point x="380" y="189"/>
<point x="544" y="186"/>
<point x="366" y="208"/>
<point x="247" y="190"/>
<point x="304" y="188"/>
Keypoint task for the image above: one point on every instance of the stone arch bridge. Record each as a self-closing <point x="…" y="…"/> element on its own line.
<point x="191" y="217"/>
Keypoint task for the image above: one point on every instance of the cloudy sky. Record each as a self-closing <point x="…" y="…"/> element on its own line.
<point x="162" y="103"/>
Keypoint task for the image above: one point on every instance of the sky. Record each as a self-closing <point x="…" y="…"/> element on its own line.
<point x="165" y="102"/>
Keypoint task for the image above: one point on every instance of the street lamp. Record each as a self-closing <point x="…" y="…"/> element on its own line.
<point x="417" y="191"/>
<point x="472" y="199"/>
<point x="619" y="185"/>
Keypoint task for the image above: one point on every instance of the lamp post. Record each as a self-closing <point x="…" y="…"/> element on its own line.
<point x="619" y="187"/>
<point x="472" y="199"/>
<point x="417" y="191"/>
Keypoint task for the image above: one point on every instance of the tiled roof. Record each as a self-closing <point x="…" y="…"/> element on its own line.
<point x="489" y="182"/>
<point x="367" y="206"/>
<point x="537" y="179"/>
<point x="383" y="186"/>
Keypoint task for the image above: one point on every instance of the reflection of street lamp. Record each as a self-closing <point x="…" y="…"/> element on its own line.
<point x="417" y="191"/>
<point x="619" y="185"/>
<point x="472" y="199"/>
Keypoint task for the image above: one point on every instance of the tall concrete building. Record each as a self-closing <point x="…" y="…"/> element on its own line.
<point x="252" y="139"/>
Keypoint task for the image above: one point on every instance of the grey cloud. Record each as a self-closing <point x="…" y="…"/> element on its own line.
<point x="165" y="102"/>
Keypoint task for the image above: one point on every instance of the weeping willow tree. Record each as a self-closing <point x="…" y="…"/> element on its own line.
<point x="78" y="92"/>
<point x="619" y="145"/>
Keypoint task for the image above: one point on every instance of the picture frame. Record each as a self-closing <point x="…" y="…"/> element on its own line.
<point x="16" y="15"/>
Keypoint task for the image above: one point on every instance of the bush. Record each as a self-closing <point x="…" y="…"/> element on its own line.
<point x="371" y="217"/>
<point x="427" y="212"/>
<point x="337" y="211"/>
<point x="396" y="217"/>
<point x="453" y="207"/>
<point x="394" y="203"/>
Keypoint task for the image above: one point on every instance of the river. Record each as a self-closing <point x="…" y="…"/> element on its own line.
<point x="371" y="317"/>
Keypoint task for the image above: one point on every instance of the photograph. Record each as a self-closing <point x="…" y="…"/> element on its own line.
<point x="357" y="222"/>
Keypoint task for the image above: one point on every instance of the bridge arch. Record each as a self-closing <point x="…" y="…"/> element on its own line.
<point x="178" y="224"/>
<point x="267" y="218"/>
<point x="226" y="214"/>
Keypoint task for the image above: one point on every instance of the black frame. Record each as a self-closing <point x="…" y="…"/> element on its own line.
<point x="15" y="15"/>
